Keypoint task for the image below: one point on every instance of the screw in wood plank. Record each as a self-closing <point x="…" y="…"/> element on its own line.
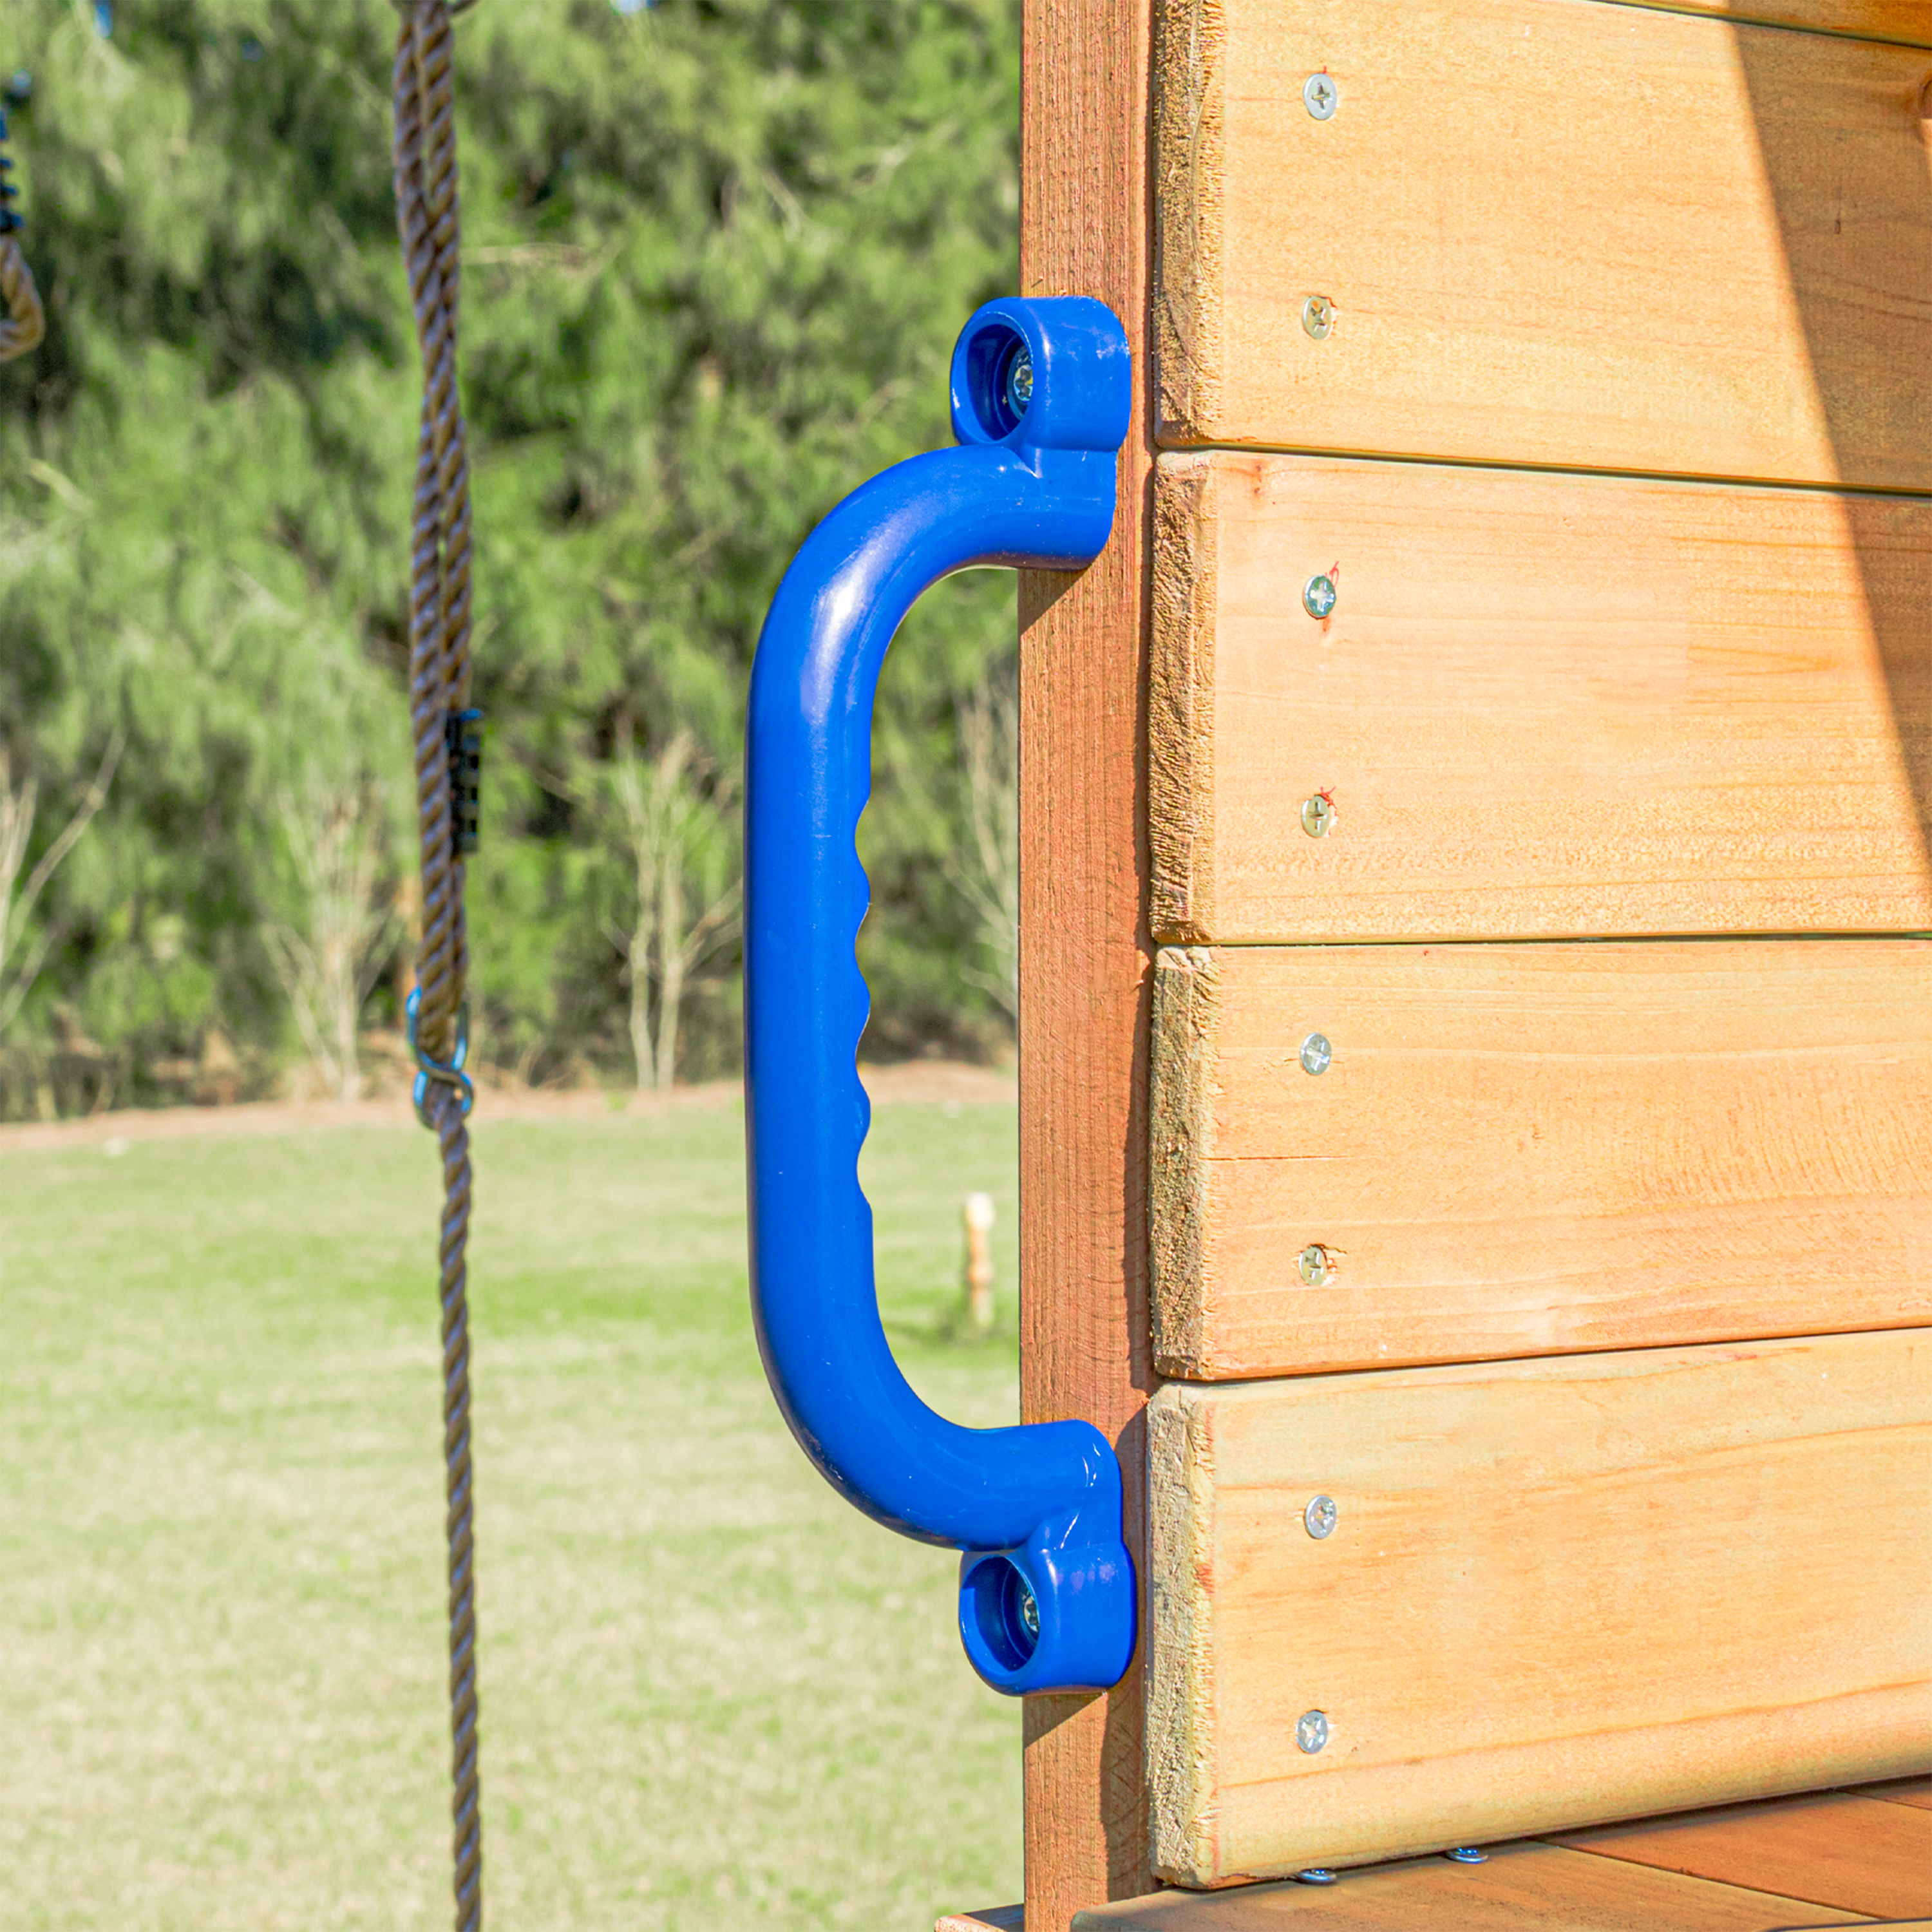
<point x="1316" y="1053"/>
<point x="1319" y="596"/>
<point x="1318" y="815"/>
<point x="1319" y="95"/>
<point x="1467" y="1855"/>
<point x="1316" y="1875"/>
<point x="1318" y="1518"/>
<point x="1315" y="1267"/>
<point x="1318" y="317"/>
<point x="1311" y="1731"/>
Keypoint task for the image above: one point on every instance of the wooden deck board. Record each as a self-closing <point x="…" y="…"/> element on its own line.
<point x="1522" y="1888"/>
<point x="1831" y="1849"/>
<point x="1809" y="1844"/>
<point x="1901" y="1791"/>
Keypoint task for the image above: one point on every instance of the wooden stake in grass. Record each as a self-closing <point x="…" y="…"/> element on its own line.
<point x="978" y="1214"/>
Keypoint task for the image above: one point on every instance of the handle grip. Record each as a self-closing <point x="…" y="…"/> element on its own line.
<point x="1041" y="398"/>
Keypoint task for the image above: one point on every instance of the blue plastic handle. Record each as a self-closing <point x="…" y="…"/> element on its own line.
<point x="1040" y="394"/>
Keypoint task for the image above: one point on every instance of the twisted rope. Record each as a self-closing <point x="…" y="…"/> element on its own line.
<point x="439" y="554"/>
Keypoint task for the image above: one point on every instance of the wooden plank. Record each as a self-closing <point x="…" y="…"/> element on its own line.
<point x="1828" y="1849"/>
<point x="1903" y="21"/>
<point x="1085" y="970"/>
<point x="1760" y="308"/>
<point x="1901" y="1791"/>
<point x="1543" y="705"/>
<point x="984" y="1918"/>
<point x="1554" y="1593"/>
<point x="1522" y="1888"/>
<point x="1520" y="1150"/>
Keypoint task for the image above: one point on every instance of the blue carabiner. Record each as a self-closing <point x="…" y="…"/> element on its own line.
<point x="1041" y="395"/>
<point x="449" y="1073"/>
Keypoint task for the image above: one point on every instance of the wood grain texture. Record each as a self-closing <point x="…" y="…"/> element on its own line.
<point x="1182" y="698"/>
<point x="1558" y="1592"/>
<point x="1830" y="1849"/>
<point x="1544" y="706"/>
<point x="1191" y="165"/>
<point x="1524" y="1151"/>
<point x="1085" y="218"/>
<point x="1904" y="21"/>
<point x="1186" y="1219"/>
<point x="1522" y="1888"/>
<point x="1761" y="307"/>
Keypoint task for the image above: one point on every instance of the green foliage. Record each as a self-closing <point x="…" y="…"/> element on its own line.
<point x="714" y="256"/>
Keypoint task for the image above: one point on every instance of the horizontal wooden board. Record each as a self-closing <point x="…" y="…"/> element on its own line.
<point x="1551" y="232"/>
<point x="1555" y="1593"/>
<point x="1521" y="1889"/>
<point x="1830" y="1849"/>
<point x="1905" y="21"/>
<point x="1523" y="1150"/>
<point x="1543" y="706"/>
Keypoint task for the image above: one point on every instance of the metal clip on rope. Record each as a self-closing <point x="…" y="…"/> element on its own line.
<point x="431" y="1072"/>
<point x="463" y="738"/>
<point x="1041" y="398"/>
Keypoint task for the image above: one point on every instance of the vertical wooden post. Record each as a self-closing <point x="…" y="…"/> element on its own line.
<point x="1085" y="954"/>
<point x="977" y="1215"/>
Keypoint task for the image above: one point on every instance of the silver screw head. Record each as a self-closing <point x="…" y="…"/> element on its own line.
<point x="1467" y="1855"/>
<point x="1318" y="317"/>
<point x="1311" y="1731"/>
<point x="1029" y="1609"/>
<point x="1314" y="1265"/>
<point x="1316" y="1875"/>
<point x="1318" y="1518"/>
<point x="1316" y="1053"/>
<point x="1019" y="381"/>
<point x="1318" y="596"/>
<point x="1318" y="816"/>
<point x="1319" y="94"/>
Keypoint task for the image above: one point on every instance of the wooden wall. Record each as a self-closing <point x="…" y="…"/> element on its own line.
<point x="1621" y="435"/>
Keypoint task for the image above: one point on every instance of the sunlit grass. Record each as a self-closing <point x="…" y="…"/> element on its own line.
<point x="713" y="1696"/>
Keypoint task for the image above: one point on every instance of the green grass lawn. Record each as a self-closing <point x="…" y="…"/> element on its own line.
<point x="713" y="1695"/>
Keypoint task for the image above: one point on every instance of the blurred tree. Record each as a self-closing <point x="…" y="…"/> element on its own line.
<point x="23" y="951"/>
<point x="685" y="891"/>
<point x="327" y="962"/>
<point x="988" y="859"/>
<point x="717" y="251"/>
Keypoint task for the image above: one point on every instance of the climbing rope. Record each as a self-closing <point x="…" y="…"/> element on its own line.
<point x="24" y="324"/>
<point x="446" y="745"/>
